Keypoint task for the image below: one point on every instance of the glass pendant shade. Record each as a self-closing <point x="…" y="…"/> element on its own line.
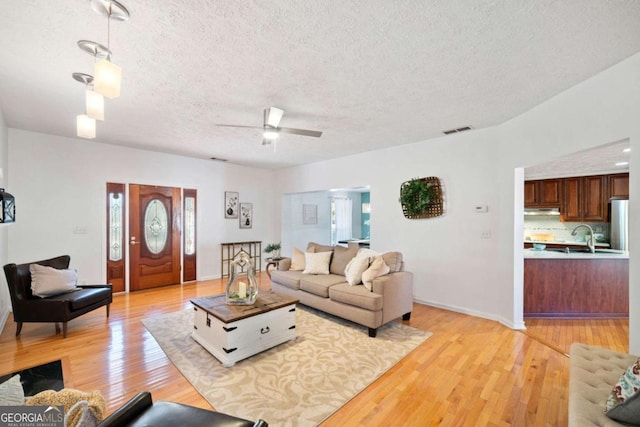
<point x="107" y="78"/>
<point x="242" y="287"/>
<point x="8" y="205"/>
<point x="95" y="105"/>
<point x="86" y="126"/>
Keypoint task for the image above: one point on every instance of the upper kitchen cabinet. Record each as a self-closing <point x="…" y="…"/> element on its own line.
<point x="542" y="193"/>
<point x="585" y="199"/>
<point x="619" y="185"/>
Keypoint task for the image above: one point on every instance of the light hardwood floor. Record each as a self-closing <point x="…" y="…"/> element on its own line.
<point x="471" y="372"/>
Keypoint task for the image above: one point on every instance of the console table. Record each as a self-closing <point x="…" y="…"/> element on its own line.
<point x="235" y="332"/>
<point x="231" y="249"/>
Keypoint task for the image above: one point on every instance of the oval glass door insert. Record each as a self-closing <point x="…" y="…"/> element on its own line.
<point x="155" y="226"/>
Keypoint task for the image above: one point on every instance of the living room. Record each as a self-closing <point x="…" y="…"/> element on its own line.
<point x="59" y="184"/>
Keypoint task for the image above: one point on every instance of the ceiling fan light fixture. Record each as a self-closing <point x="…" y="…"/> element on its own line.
<point x="85" y="126"/>
<point x="270" y="134"/>
<point x="272" y="116"/>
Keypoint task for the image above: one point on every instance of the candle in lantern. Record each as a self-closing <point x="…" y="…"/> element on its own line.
<point x="242" y="290"/>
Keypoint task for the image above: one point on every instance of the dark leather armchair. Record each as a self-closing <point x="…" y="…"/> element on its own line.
<point x="141" y="411"/>
<point x="59" y="308"/>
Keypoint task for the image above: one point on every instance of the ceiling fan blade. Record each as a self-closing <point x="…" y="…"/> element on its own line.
<point x="305" y="132"/>
<point x="239" y="126"/>
<point x="272" y="116"/>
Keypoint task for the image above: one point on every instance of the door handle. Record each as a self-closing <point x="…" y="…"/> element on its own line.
<point x="133" y="241"/>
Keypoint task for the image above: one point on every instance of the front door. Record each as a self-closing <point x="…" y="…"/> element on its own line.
<point x="154" y="236"/>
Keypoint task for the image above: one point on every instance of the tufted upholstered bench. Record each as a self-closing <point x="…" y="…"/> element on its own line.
<point x="593" y="371"/>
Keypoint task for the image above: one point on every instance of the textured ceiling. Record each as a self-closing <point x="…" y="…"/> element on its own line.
<point x="369" y="74"/>
<point x="598" y="160"/>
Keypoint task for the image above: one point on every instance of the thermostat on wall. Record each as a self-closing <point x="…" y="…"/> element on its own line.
<point x="481" y="208"/>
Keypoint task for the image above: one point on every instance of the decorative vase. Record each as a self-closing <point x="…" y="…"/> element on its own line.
<point x="242" y="287"/>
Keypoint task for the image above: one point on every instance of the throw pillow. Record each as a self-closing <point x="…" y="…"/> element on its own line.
<point x="49" y="281"/>
<point x="317" y="263"/>
<point x="355" y="268"/>
<point x="393" y="260"/>
<point x="341" y="257"/>
<point x="624" y="401"/>
<point x="297" y="260"/>
<point x="11" y="392"/>
<point x="376" y="269"/>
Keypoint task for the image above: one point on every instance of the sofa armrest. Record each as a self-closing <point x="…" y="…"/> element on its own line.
<point x="284" y="264"/>
<point x="127" y="412"/>
<point x="397" y="294"/>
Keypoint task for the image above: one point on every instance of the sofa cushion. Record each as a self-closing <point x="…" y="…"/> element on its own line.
<point x="320" y="284"/>
<point x="317" y="263"/>
<point x="297" y="260"/>
<point x="341" y="257"/>
<point x="356" y="295"/>
<point x="48" y="281"/>
<point x="376" y="269"/>
<point x="316" y="247"/>
<point x="83" y="297"/>
<point x="624" y="401"/>
<point x="393" y="260"/>
<point x="290" y="279"/>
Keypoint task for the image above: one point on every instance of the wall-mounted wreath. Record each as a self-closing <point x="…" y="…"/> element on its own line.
<point x="421" y="198"/>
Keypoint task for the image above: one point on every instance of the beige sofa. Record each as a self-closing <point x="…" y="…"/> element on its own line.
<point x="593" y="371"/>
<point x="391" y="295"/>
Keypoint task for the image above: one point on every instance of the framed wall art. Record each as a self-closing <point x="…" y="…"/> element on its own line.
<point x="309" y="214"/>
<point x="231" y="204"/>
<point x="246" y="215"/>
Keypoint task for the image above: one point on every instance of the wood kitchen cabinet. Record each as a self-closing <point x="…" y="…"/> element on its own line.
<point x="542" y="193"/>
<point x="585" y="199"/>
<point x="619" y="185"/>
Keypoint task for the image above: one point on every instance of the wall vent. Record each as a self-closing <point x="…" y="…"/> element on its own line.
<point x="462" y="129"/>
<point x="218" y="159"/>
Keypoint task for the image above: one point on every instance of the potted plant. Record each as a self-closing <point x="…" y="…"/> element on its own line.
<point x="416" y="196"/>
<point x="273" y="248"/>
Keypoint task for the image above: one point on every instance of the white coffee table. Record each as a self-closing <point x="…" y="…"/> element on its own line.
<point x="235" y="332"/>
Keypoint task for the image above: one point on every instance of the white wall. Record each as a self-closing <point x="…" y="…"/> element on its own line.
<point x="454" y="267"/>
<point x="5" y="299"/>
<point x="59" y="184"/>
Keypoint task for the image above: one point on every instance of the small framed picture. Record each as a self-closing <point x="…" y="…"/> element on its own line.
<point x="246" y="215"/>
<point x="231" y="204"/>
<point x="309" y="214"/>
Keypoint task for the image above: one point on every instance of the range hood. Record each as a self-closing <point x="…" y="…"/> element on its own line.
<point x="542" y="211"/>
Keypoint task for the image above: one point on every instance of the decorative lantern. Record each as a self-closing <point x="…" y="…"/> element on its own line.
<point x="8" y="204"/>
<point x="242" y="287"/>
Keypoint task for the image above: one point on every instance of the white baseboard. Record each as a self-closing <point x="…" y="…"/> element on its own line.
<point x="508" y="323"/>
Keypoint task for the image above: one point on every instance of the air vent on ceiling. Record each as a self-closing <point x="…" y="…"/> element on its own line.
<point x="462" y="129"/>
<point x="218" y="159"/>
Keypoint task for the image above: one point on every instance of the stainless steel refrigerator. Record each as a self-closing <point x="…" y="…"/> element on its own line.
<point x="619" y="226"/>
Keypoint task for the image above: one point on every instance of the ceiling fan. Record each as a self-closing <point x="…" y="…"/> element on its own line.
<point x="272" y="117"/>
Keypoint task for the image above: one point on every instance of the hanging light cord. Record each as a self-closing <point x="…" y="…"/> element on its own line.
<point x="109" y="32"/>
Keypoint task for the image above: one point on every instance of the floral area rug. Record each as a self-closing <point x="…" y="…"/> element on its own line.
<point x="298" y="383"/>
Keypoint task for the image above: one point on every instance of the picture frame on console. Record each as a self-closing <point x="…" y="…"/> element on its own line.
<point x="246" y="215"/>
<point x="231" y="204"/>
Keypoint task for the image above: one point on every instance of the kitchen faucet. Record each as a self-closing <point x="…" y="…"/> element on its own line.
<point x="591" y="244"/>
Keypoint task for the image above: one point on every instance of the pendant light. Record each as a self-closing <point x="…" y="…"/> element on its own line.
<point x="85" y="126"/>
<point x="94" y="101"/>
<point x="94" y="108"/>
<point x="107" y="75"/>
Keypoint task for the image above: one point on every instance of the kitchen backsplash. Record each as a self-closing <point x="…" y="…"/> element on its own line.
<point x="562" y="230"/>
